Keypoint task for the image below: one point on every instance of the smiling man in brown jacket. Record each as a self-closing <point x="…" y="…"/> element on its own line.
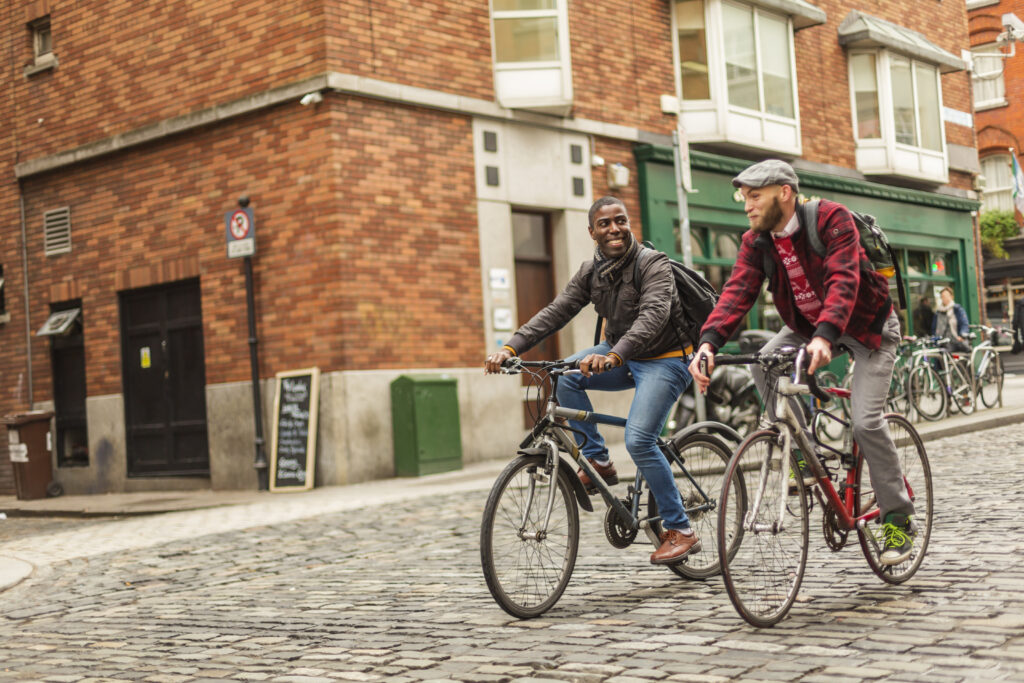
<point x="642" y="349"/>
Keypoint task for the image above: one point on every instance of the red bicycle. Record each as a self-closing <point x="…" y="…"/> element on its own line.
<point x="764" y="570"/>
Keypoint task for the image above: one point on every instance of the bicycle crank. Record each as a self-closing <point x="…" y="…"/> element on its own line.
<point x="618" y="534"/>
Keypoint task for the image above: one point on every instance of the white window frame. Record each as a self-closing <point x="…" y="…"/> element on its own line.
<point x="885" y="156"/>
<point x="715" y="119"/>
<point x="553" y="103"/>
<point x="982" y="52"/>
<point x="41" y="60"/>
<point x="997" y="197"/>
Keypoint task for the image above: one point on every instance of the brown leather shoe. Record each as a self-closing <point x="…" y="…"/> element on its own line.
<point x="675" y="545"/>
<point x="607" y="472"/>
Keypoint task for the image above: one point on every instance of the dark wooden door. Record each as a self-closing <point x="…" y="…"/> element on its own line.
<point x="535" y="288"/>
<point x="164" y="380"/>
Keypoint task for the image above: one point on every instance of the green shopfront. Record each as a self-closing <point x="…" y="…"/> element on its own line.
<point x="932" y="234"/>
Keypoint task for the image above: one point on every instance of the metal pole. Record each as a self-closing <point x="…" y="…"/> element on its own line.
<point x="260" y="463"/>
<point x="28" y="306"/>
<point x="684" y="229"/>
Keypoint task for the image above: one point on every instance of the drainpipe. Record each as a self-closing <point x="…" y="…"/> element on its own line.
<point x="28" y="307"/>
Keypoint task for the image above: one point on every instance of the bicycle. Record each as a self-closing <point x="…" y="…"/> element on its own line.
<point x="940" y="381"/>
<point x="988" y="374"/>
<point x="529" y="535"/>
<point x="765" y="566"/>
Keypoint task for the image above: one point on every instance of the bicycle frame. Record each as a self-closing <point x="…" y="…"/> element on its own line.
<point x="790" y="430"/>
<point x="548" y="430"/>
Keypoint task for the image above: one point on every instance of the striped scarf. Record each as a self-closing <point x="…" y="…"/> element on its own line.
<point x="609" y="269"/>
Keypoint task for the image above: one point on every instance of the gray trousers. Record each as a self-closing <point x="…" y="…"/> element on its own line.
<point x="869" y="390"/>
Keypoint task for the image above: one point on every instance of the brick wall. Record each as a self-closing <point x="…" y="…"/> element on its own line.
<point x="367" y="241"/>
<point x="825" y="112"/>
<point x="124" y="64"/>
<point x="1001" y="127"/>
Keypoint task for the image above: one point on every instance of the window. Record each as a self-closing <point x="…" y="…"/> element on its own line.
<point x="987" y="77"/>
<point x="998" y="193"/>
<point x="43" y="57"/>
<point x="531" y="54"/>
<point x="735" y="72"/>
<point x="896" y="98"/>
<point x="3" y="298"/>
<point x="42" y="40"/>
<point x="693" y="50"/>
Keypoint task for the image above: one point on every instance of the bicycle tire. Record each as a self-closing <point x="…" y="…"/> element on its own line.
<point x="961" y="388"/>
<point x="763" y="593"/>
<point x="927" y="392"/>
<point x="706" y="458"/>
<point x="898" y="400"/>
<point x="527" y="576"/>
<point x="990" y="384"/>
<point x="918" y="475"/>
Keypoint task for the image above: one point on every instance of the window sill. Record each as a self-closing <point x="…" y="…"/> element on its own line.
<point x="985" y="106"/>
<point x="5" y="318"/>
<point x="44" y="63"/>
<point x="980" y="3"/>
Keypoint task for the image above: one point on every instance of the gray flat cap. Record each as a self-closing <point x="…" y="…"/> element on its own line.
<point x="768" y="172"/>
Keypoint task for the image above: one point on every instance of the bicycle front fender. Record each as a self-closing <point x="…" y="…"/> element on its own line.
<point x="718" y="428"/>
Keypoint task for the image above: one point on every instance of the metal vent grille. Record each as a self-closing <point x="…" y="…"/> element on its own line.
<point x="57" y="231"/>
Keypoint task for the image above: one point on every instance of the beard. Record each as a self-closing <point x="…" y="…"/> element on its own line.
<point x="769" y="218"/>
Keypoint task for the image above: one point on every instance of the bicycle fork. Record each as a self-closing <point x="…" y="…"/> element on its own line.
<point x="749" y="523"/>
<point x="550" y="477"/>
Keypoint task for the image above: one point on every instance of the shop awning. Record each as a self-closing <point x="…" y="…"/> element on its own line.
<point x="863" y="30"/>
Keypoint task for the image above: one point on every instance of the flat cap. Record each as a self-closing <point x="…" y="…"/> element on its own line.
<point x="768" y="172"/>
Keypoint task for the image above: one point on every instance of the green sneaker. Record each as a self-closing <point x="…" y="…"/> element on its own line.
<point x="805" y="474"/>
<point x="899" y="539"/>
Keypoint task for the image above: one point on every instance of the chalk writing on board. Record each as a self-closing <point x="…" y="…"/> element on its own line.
<point x="294" y="441"/>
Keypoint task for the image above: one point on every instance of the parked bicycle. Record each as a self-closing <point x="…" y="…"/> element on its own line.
<point x="987" y="367"/>
<point x="940" y="381"/>
<point x="764" y="562"/>
<point x="530" y="532"/>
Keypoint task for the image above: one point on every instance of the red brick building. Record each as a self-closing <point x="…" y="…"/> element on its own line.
<point x="999" y="121"/>
<point x="419" y="174"/>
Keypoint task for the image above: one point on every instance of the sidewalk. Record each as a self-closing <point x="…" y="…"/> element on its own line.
<point x="241" y="509"/>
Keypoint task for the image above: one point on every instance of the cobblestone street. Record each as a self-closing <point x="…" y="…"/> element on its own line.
<point x="396" y="593"/>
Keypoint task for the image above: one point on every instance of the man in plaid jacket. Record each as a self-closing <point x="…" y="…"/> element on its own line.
<point x="824" y="301"/>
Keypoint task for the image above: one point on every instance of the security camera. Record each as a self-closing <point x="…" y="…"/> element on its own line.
<point x="311" y="98"/>
<point x="1014" y="26"/>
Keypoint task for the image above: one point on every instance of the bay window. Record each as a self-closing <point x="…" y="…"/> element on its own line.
<point x="735" y="71"/>
<point x="531" y="54"/>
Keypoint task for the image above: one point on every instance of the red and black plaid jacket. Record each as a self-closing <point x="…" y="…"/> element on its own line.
<point x="855" y="298"/>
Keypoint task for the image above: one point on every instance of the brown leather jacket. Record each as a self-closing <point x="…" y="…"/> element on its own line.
<point x="637" y="315"/>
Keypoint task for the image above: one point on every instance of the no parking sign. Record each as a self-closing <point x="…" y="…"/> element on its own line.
<point x="241" y="232"/>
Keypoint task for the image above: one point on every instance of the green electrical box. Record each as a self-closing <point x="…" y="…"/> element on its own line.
<point x="425" y="425"/>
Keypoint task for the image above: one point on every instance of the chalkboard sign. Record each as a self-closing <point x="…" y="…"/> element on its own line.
<point x="293" y="445"/>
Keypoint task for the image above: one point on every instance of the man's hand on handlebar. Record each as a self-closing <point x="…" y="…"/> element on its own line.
<point x="819" y="350"/>
<point x="702" y="365"/>
<point x="595" y="364"/>
<point x="493" y="362"/>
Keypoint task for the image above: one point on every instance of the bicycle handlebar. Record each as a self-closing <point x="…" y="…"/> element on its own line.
<point x="783" y="356"/>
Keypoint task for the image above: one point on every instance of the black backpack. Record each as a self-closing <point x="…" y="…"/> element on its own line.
<point x="872" y="239"/>
<point x="696" y="296"/>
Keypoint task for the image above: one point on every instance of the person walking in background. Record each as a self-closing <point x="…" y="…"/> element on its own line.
<point x="950" y="322"/>
<point x="923" y="317"/>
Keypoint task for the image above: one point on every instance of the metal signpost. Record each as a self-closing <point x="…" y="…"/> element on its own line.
<point x="240" y="226"/>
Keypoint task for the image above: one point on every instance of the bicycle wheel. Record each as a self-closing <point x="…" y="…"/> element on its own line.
<point x="763" y="573"/>
<point x="899" y="397"/>
<point x="990" y="383"/>
<point x="918" y="476"/>
<point x="526" y="566"/>
<point x="705" y="458"/>
<point x="927" y="392"/>
<point x="961" y="389"/>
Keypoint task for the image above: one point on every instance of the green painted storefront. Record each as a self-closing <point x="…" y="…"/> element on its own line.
<point x="933" y="234"/>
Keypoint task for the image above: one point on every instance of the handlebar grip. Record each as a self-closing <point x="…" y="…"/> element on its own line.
<point x="812" y="384"/>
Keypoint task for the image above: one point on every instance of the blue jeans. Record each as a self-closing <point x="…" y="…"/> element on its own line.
<point x="658" y="384"/>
